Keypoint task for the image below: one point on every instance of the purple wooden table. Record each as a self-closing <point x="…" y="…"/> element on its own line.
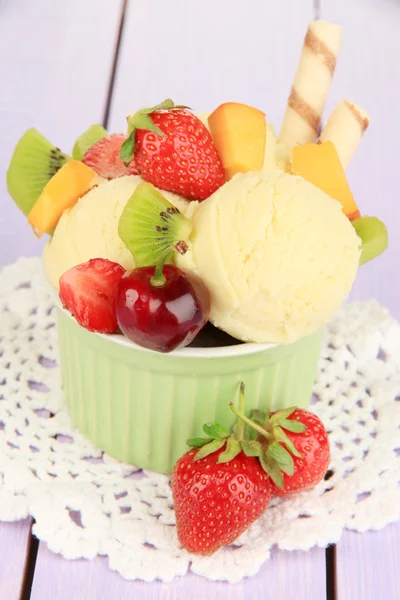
<point x="65" y="65"/>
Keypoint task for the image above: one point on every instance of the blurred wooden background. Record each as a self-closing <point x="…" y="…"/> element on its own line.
<point x="57" y="72"/>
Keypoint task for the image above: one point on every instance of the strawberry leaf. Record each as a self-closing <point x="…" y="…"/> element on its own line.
<point x="127" y="149"/>
<point x="293" y="425"/>
<point x="197" y="442"/>
<point x="259" y="416"/>
<point x="251" y="448"/>
<point x="277" y="452"/>
<point x="209" y="448"/>
<point x="251" y="434"/>
<point x="232" y="449"/>
<point x="164" y="105"/>
<point x="288" y="469"/>
<point x="271" y="467"/>
<point x="215" y="431"/>
<point x="281" y="436"/>
<point x="281" y="415"/>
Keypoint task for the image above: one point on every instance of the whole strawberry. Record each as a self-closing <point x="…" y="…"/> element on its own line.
<point x="296" y="450"/>
<point x="173" y="150"/>
<point x="219" y="490"/>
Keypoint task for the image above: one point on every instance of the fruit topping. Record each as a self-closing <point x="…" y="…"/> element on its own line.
<point x="151" y="227"/>
<point x="224" y="484"/>
<point x="103" y="157"/>
<point x="218" y="490"/>
<point x="239" y="134"/>
<point x="320" y="164"/>
<point x="63" y="190"/>
<point x="34" y="162"/>
<point x="374" y="236"/>
<point x="88" y="291"/>
<point x="87" y="139"/>
<point x="295" y="451"/>
<point x="161" y="308"/>
<point x="174" y="151"/>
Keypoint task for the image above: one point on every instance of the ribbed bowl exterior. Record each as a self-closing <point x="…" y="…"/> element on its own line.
<point x="141" y="407"/>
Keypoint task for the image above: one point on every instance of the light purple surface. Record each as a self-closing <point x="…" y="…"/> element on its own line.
<point x="14" y="539"/>
<point x="61" y="92"/>
<point x="299" y="575"/>
<point x="368" y="565"/>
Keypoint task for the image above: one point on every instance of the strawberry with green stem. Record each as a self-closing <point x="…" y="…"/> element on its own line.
<point x="223" y="484"/>
<point x="295" y="451"/>
<point x="173" y="150"/>
<point x="219" y="488"/>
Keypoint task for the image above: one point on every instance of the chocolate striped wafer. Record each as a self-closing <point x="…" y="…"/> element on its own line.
<point x="345" y="128"/>
<point x="311" y="84"/>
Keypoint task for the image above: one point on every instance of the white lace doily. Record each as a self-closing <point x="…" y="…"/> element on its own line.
<point x="85" y="503"/>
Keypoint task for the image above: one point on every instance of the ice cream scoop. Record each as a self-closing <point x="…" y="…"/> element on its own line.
<point x="90" y="228"/>
<point x="277" y="255"/>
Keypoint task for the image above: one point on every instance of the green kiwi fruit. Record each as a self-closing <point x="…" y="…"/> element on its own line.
<point x="374" y="237"/>
<point x="152" y="228"/>
<point x="88" y="138"/>
<point x="33" y="164"/>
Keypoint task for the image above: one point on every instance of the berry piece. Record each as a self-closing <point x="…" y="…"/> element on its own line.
<point x="174" y="151"/>
<point x="88" y="291"/>
<point x="219" y="490"/>
<point x="103" y="157"/>
<point x="161" y="311"/>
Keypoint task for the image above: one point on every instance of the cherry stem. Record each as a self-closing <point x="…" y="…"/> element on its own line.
<point x="249" y="422"/>
<point x="158" y="279"/>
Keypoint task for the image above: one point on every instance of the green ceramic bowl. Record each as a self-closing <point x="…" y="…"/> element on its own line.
<point x="140" y="406"/>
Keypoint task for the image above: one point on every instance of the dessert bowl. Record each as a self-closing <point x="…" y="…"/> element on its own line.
<point x="141" y="406"/>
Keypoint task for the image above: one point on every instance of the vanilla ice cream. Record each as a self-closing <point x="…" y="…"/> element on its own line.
<point x="277" y="255"/>
<point x="90" y="228"/>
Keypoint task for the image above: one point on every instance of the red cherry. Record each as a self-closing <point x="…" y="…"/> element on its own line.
<point x="162" y="317"/>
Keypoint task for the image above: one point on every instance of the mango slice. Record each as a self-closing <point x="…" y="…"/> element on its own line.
<point x="63" y="190"/>
<point x="320" y="164"/>
<point x="239" y="133"/>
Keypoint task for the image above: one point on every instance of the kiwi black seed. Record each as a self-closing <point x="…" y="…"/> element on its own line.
<point x="151" y="227"/>
<point x="33" y="164"/>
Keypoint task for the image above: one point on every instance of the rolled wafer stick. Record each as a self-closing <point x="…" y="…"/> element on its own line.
<point x="345" y="128"/>
<point x="311" y="84"/>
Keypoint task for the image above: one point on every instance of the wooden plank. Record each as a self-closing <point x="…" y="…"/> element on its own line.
<point x="368" y="74"/>
<point x="299" y="575"/>
<point x="210" y="53"/>
<point x="14" y="542"/>
<point x="55" y="66"/>
<point x="367" y="565"/>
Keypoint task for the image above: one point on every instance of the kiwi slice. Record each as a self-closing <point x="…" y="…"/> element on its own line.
<point x="33" y="164"/>
<point x="152" y="228"/>
<point x="374" y="236"/>
<point x="88" y="138"/>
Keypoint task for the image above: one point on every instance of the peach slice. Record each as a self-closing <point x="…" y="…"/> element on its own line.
<point x="63" y="190"/>
<point x="239" y="133"/>
<point x="320" y="164"/>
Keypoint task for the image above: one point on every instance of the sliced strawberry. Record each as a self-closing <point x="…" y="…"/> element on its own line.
<point x="103" y="157"/>
<point x="88" y="291"/>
